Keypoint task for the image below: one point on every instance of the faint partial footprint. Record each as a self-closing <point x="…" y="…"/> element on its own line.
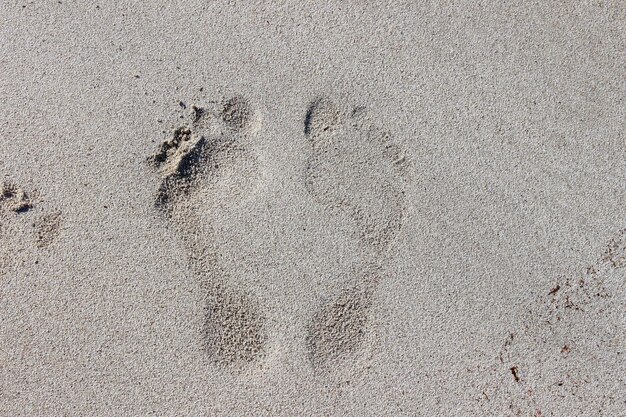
<point x="15" y="204"/>
<point x="14" y="199"/>
<point x="47" y="228"/>
<point x="208" y="163"/>
<point x="353" y="168"/>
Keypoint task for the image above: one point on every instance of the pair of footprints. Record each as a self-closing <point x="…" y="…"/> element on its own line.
<point x="353" y="168"/>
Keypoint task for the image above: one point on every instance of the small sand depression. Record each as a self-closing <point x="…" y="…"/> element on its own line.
<point x="48" y="228"/>
<point x="240" y="115"/>
<point x="13" y="198"/>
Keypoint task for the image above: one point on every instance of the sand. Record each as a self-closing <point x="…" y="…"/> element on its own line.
<point x="312" y="209"/>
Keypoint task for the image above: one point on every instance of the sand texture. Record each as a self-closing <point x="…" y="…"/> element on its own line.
<point x="281" y="208"/>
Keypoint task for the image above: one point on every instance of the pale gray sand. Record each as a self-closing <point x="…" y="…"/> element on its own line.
<point x="385" y="209"/>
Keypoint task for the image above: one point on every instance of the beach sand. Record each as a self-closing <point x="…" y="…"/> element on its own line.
<point x="312" y="209"/>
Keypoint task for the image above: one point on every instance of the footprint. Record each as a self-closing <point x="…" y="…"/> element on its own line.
<point x="355" y="169"/>
<point x="208" y="164"/>
<point x="233" y="332"/>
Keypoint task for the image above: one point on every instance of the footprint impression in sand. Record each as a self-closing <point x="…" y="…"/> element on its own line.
<point x="355" y="170"/>
<point x="208" y="163"/>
